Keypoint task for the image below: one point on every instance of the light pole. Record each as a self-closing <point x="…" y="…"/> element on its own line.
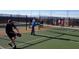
<point x="39" y="20"/>
<point x="67" y="17"/>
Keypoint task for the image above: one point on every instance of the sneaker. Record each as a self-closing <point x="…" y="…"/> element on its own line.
<point x="14" y="47"/>
<point x="10" y="44"/>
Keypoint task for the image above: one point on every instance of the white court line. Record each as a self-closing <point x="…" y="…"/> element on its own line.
<point x="32" y="41"/>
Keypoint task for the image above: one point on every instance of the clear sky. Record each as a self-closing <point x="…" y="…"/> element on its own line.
<point x="57" y="13"/>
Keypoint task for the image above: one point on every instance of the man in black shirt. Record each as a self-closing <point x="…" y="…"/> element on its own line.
<point x="10" y="32"/>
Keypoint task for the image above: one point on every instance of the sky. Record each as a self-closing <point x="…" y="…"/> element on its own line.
<point x="57" y="13"/>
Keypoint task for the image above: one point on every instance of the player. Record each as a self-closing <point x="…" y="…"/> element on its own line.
<point x="33" y="27"/>
<point x="11" y="34"/>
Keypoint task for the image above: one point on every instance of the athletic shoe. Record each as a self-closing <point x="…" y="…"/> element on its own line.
<point x="10" y="44"/>
<point x="14" y="47"/>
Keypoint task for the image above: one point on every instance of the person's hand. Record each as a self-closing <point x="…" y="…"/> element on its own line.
<point x="19" y="34"/>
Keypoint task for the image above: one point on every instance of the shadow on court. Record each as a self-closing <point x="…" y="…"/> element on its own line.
<point x="64" y="33"/>
<point x="48" y="38"/>
<point x="16" y="41"/>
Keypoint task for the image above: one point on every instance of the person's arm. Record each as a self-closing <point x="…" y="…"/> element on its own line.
<point x="16" y="28"/>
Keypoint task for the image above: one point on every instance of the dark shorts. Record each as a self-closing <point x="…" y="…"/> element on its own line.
<point x="11" y="34"/>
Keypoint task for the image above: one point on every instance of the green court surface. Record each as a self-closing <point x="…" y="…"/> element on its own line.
<point x="54" y="38"/>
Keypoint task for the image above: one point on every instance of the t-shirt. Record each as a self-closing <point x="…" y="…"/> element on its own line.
<point x="33" y="23"/>
<point x="9" y="28"/>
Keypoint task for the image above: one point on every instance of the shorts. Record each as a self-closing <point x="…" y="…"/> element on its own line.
<point x="11" y="34"/>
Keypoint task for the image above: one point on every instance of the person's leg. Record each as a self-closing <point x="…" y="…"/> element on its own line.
<point x="9" y="35"/>
<point x="12" y="42"/>
<point x="32" y="31"/>
<point x="12" y="37"/>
